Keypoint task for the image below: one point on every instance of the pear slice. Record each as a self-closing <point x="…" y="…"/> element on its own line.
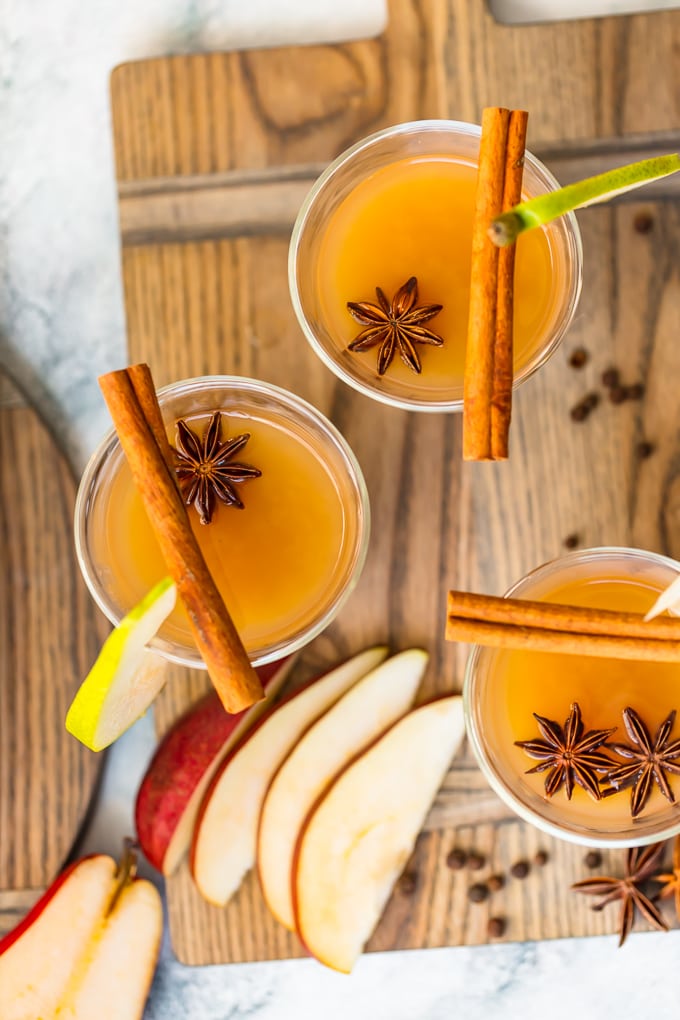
<point x="668" y="601"/>
<point x="365" y="711"/>
<point x="126" y="677"/>
<point x="358" y="836"/>
<point x="225" y="836"/>
<point x="507" y="227"/>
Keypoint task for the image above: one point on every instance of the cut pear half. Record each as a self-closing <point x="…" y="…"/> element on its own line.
<point x="126" y="676"/>
<point x="507" y="227"/>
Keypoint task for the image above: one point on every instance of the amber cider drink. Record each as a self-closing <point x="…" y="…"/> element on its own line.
<point x="400" y="204"/>
<point x="505" y="687"/>
<point x="283" y="563"/>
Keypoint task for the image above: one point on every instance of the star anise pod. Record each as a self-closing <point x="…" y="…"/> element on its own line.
<point x="640" y="863"/>
<point x="671" y="882"/>
<point x="648" y="760"/>
<point x="205" y="469"/>
<point x="569" y="753"/>
<point x="395" y="325"/>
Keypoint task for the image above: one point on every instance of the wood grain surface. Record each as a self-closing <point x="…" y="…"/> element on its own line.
<point x="214" y="153"/>
<point x="50" y="633"/>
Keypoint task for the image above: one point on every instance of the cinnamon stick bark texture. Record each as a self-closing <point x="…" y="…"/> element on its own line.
<point x="145" y="391"/>
<point x="501" y="398"/>
<point x="569" y="630"/>
<point x="479" y="357"/>
<point x="217" y="640"/>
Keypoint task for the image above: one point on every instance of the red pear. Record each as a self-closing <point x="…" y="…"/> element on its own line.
<point x="184" y="763"/>
<point x="88" y="948"/>
<point x="223" y="847"/>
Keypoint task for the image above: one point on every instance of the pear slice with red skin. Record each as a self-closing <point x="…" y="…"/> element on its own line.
<point x="358" y="836"/>
<point x="225" y="836"/>
<point x="117" y="973"/>
<point x="366" y="711"/>
<point x="185" y="761"/>
<point x="86" y="926"/>
<point x="36" y="957"/>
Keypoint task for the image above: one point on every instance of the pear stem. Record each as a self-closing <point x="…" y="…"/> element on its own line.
<point x="125" y="872"/>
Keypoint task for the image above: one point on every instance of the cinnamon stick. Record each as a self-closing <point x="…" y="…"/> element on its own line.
<point x="479" y="356"/>
<point x="557" y="616"/>
<point x="216" y="637"/>
<point x="145" y="391"/>
<point x="498" y="635"/>
<point x="548" y="627"/>
<point x="501" y="397"/>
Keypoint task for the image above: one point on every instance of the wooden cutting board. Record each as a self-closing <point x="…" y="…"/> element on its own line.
<point x="214" y="153"/>
<point x="50" y="633"/>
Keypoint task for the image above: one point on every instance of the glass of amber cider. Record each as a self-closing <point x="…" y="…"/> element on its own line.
<point x="505" y="687"/>
<point x="284" y="561"/>
<point x="399" y="205"/>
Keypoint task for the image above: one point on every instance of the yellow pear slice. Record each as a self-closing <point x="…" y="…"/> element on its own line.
<point x="126" y="677"/>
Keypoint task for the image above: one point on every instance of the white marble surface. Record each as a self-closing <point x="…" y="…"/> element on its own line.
<point x="61" y="324"/>
<point x="530" y="11"/>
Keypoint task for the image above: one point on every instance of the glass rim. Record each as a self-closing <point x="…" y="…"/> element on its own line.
<point x="270" y="653"/>
<point x="572" y="238"/>
<point x="490" y="773"/>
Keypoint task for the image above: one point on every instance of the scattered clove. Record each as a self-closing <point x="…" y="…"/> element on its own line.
<point x="475" y="861"/>
<point x="520" y="869"/>
<point x="579" y="412"/>
<point x="611" y="377"/>
<point x="645" y="449"/>
<point x="643" y="222"/>
<point x="496" y="927"/>
<point x="456" y="860"/>
<point x="408" y="883"/>
<point x="478" y="892"/>
<point x="578" y="357"/>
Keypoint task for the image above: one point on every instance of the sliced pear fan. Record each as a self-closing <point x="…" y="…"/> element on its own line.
<point x="126" y="677"/>
<point x="360" y="834"/>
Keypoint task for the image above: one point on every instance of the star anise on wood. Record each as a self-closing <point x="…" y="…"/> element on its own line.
<point x="671" y="882"/>
<point x="396" y="325"/>
<point x="570" y="754"/>
<point x="648" y="760"/>
<point x="640" y="864"/>
<point x="206" y="470"/>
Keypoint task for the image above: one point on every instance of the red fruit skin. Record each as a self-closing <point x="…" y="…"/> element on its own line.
<point x="179" y="764"/>
<point x="265" y="717"/>
<point x="297" y="850"/>
<point x="36" y="910"/>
